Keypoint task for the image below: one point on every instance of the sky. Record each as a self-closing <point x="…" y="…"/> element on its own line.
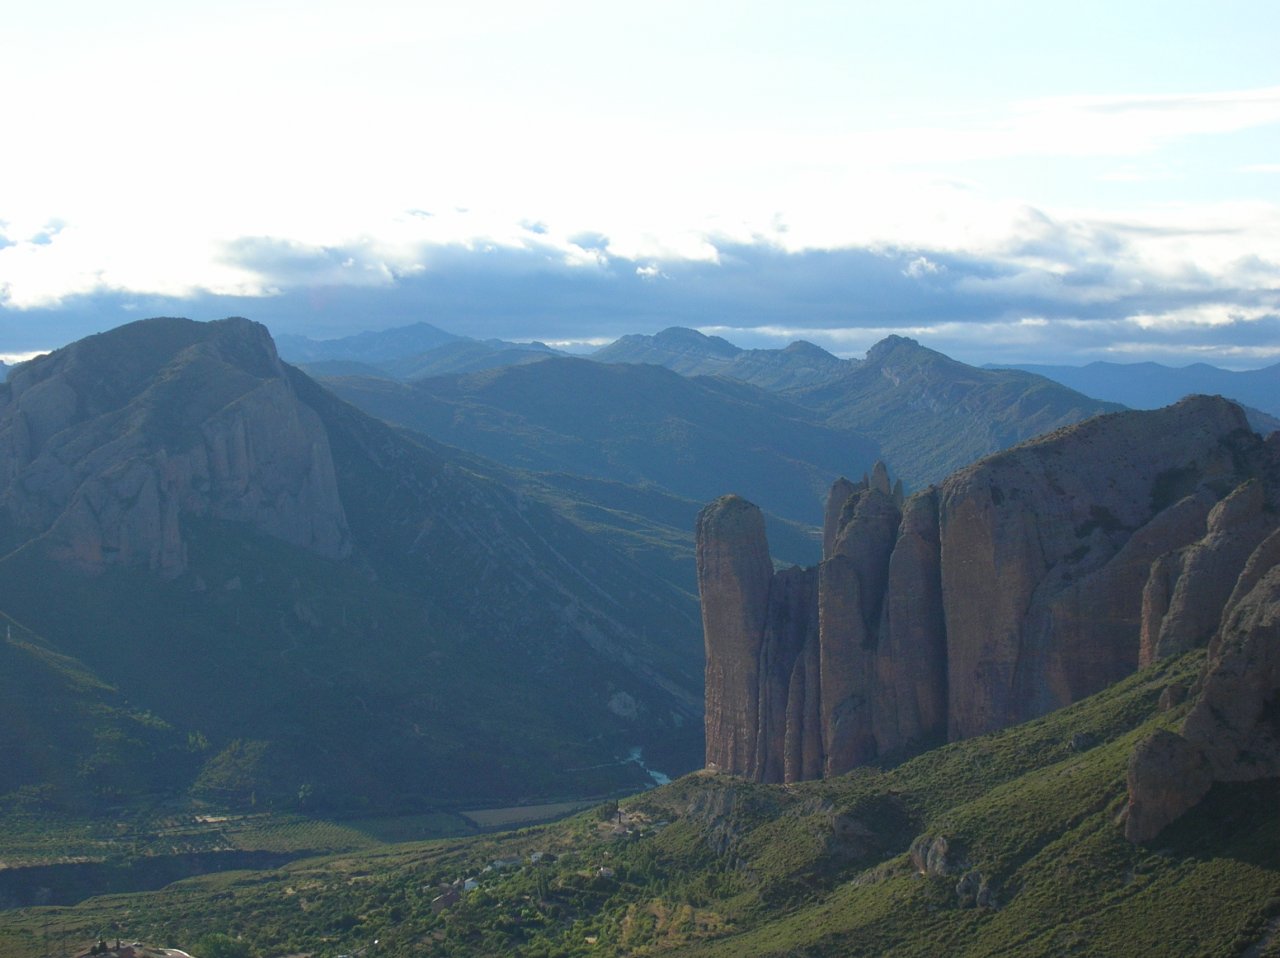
<point x="1005" y="182"/>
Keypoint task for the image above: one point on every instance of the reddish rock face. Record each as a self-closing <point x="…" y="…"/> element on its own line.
<point x="1167" y="775"/>
<point x="1234" y="719"/>
<point x="1025" y="582"/>
<point x="789" y="730"/>
<point x="734" y="577"/>
<point x="911" y="658"/>
<point x="1232" y="732"/>
<point x="1208" y="569"/>
<point x="1022" y="529"/>
<point x="851" y="591"/>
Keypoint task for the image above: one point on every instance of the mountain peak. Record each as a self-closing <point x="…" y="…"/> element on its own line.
<point x="897" y="346"/>
<point x="133" y="429"/>
<point x="370" y="346"/>
<point x="691" y="353"/>
<point x="686" y="338"/>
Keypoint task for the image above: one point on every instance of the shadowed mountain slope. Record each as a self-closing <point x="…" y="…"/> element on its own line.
<point x="327" y="602"/>
<point x="637" y="425"/>
<point x="931" y="414"/>
<point x="928" y="413"/>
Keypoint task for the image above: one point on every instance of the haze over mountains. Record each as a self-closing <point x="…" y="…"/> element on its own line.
<point x="234" y="534"/>
<point x="1149" y="385"/>
<point x="424" y="350"/>
<point x="991" y="411"/>
<point x="639" y="425"/>
<point x="140" y="462"/>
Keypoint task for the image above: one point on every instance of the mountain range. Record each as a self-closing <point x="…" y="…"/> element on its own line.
<point x="245" y="622"/>
<point x="1149" y="385"/>
<point x="692" y="353"/>
<point x="407" y="353"/>
<point x="424" y="350"/>
<point x="638" y="425"/>
<point x="641" y="425"/>
<point x="1139" y="820"/>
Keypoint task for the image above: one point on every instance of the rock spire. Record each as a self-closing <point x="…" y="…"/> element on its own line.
<point x="1022" y="583"/>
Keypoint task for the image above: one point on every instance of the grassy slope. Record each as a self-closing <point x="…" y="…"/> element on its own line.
<point x="814" y="869"/>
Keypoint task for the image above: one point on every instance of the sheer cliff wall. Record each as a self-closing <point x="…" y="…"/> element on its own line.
<point x="1022" y="583"/>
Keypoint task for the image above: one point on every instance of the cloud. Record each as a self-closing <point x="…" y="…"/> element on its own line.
<point x="921" y="266"/>
<point x="1062" y="289"/>
<point x="284" y="263"/>
<point x="1013" y="275"/>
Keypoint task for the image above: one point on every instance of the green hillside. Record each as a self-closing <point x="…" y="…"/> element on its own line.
<point x="1001" y="845"/>
<point x="637" y="424"/>
<point x="932" y="415"/>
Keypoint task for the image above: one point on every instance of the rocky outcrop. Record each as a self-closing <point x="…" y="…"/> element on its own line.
<point x="1167" y="775"/>
<point x="1232" y="732"/>
<point x="911" y="657"/>
<point x="734" y="579"/>
<point x="106" y="445"/>
<point x="793" y="654"/>
<point x="1025" y="582"/>
<point x="1204" y="574"/>
<point x="1021" y="530"/>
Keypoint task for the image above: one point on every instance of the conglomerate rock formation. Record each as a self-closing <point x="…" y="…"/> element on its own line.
<point x="1022" y="583"/>
<point x="1232" y="732"/>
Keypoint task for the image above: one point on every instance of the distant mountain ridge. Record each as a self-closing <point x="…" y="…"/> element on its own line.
<point x="932" y="415"/>
<point x="370" y="346"/>
<point x="1150" y="385"/>
<point x="929" y="413"/>
<point x="407" y="353"/>
<point x="634" y="423"/>
<point x="692" y="353"/>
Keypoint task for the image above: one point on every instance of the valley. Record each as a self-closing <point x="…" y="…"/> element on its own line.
<point x="288" y="660"/>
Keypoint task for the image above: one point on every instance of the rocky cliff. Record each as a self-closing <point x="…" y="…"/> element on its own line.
<point x="1022" y="583"/>
<point x="1232" y="731"/>
<point x="106" y="444"/>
